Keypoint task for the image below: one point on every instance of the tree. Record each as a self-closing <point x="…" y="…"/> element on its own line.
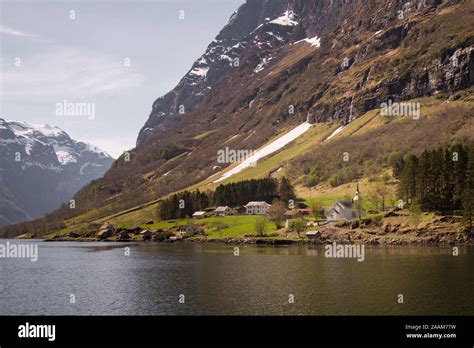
<point x="395" y="159"/>
<point x="298" y="226"/>
<point x="436" y="179"/>
<point x="277" y="212"/>
<point x="415" y="214"/>
<point x="286" y="190"/>
<point x="407" y="185"/>
<point x="379" y="195"/>
<point x="260" y="225"/>
<point x="315" y="207"/>
<point x="468" y="197"/>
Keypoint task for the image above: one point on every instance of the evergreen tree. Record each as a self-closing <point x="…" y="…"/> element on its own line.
<point x="286" y="190"/>
<point x="407" y="186"/>
<point x="468" y="196"/>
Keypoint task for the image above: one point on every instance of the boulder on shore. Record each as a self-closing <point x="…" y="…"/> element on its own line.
<point x="105" y="231"/>
<point x="123" y="236"/>
<point x="146" y="235"/>
<point x="133" y="230"/>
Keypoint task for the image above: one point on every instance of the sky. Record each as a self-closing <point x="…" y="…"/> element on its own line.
<point x="95" y="67"/>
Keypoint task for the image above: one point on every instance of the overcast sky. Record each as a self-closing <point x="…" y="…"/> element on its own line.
<point x="47" y="57"/>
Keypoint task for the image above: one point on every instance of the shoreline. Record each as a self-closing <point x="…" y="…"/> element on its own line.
<point x="382" y="241"/>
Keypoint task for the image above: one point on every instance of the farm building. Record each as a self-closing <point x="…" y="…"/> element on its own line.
<point x="257" y="208"/>
<point x="223" y="211"/>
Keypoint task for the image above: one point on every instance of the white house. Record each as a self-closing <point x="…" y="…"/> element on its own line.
<point x="223" y="211"/>
<point x="199" y="215"/>
<point x="342" y="211"/>
<point x="257" y="208"/>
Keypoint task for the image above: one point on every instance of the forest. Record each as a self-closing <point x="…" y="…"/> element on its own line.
<point x="440" y="179"/>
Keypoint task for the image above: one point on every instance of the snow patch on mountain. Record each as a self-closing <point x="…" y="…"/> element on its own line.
<point x="200" y="71"/>
<point x="64" y="154"/>
<point x="267" y="150"/>
<point x="278" y="37"/>
<point x="336" y="132"/>
<point x="287" y="19"/>
<point x="263" y="64"/>
<point x="314" y="41"/>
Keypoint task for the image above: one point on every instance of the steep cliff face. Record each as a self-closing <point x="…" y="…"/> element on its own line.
<point x="41" y="167"/>
<point x="278" y="63"/>
<point x="361" y="29"/>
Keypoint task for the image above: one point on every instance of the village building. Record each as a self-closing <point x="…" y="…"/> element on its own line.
<point x="199" y="214"/>
<point x="294" y="213"/>
<point x="291" y="214"/>
<point x="305" y="211"/>
<point x="223" y="211"/>
<point x="313" y="234"/>
<point x="342" y="210"/>
<point x="257" y="208"/>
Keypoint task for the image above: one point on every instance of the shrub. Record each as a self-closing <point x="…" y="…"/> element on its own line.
<point x="260" y="225"/>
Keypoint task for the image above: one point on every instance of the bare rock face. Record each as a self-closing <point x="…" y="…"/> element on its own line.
<point x="259" y="28"/>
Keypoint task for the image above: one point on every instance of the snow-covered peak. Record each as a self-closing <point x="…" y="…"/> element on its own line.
<point x="21" y="128"/>
<point x="36" y="138"/>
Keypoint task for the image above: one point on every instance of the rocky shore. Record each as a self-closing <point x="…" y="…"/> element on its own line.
<point x="340" y="237"/>
<point x="392" y="229"/>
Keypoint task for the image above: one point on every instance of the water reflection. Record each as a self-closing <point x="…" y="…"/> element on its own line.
<point x="216" y="282"/>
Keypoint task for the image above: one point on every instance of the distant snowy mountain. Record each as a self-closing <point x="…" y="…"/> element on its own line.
<point x="41" y="167"/>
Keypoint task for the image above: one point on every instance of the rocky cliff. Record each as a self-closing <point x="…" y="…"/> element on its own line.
<point x="352" y="33"/>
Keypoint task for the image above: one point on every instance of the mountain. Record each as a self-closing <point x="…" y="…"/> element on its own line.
<point x="266" y="38"/>
<point x="41" y="167"/>
<point x="279" y="64"/>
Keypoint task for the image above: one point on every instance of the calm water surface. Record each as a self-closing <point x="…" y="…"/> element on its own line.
<point x="149" y="282"/>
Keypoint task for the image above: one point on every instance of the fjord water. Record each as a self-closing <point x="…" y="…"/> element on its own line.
<point x="104" y="281"/>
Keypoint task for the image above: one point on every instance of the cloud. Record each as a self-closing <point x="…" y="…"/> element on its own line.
<point x="67" y="73"/>
<point x="10" y="31"/>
